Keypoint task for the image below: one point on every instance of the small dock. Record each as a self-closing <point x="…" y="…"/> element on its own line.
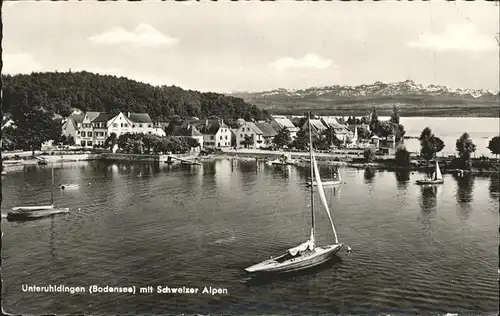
<point x="184" y="161"/>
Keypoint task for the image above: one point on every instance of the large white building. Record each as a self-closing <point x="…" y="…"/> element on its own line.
<point x="93" y="128"/>
<point x="260" y="133"/>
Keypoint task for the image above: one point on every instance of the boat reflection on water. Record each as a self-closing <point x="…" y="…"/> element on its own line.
<point x="369" y="175"/>
<point x="266" y="278"/>
<point x="428" y="205"/>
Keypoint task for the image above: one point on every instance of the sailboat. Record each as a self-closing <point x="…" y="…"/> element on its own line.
<point x="335" y="180"/>
<point x="307" y="254"/>
<point x="436" y="178"/>
<point x="36" y="211"/>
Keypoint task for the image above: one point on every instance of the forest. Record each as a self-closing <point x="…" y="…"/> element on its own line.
<point x="34" y="102"/>
<point x="60" y="92"/>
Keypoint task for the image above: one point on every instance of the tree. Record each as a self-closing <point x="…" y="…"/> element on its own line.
<point x="402" y="157"/>
<point x="363" y="132"/>
<point x="110" y="141"/>
<point x="374" y="122"/>
<point x="395" y="115"/>
<point x="301" y="142"/>
<point x="494" y="146"/>
<point x="369" y="154"/>
<point x="283" y="138"/>
<point x="248" y="141"/>
<point x="430" y="145"/>
<point x="330" y="138"/>
<point x="465" y="148"/>
<point x="33" y="126"/>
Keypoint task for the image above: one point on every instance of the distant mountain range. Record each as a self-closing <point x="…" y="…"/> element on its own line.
<point x="414" y="99"/>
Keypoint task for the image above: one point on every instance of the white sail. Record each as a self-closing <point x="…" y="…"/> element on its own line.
<point x="310" y="244"/>
<point x="322" y="196"/>
<point x="438" y="174"/>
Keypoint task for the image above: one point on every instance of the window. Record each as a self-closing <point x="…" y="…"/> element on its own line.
<point x="83" y="143"/>
<point x="89" y="134"/>
<point x="221" y="137"/>
<point x="77" y="132"/>
<point x="83" y="134"/>
<point x="140" y="125"/>
<point x="226" y="136"/>
<point x="149" y="125"/>
<point x="133" y="126"/>
<point x="212" y="137"/>
<point x="115" y="125"/>
<point x="89" y="143"/>
<point x="241" y="135"/>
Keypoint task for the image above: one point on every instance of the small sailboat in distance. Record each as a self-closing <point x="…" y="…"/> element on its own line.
<point x="307" y="254"/>
<point x="436" y="178"/>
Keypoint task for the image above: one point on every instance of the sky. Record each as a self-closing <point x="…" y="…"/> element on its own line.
<point x="254" y="46"/>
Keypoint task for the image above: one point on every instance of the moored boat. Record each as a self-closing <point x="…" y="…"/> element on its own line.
<point x="69" y="186"/>
<point x="35" y="214"/>
<point x="36" y="211"/>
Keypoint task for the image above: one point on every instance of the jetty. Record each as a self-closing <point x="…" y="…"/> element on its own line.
<point x="188" y="159"/>
<point x="172" y="158"/>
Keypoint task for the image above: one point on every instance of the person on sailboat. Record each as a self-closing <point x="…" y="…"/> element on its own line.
<point x="349" y="250"/>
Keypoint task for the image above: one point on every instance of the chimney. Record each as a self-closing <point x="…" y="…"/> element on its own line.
<point x="206" y="122"/>
<point x="128" y="114"/>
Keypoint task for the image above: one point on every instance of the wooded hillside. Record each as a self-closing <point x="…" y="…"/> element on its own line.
<point x="59" y="92"/>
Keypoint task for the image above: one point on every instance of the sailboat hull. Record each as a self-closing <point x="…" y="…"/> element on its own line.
<point x="33" y="208"/>
<point x="287" y="263"/>
<point x="325" y="183"/>
<point x="35" y="214"/>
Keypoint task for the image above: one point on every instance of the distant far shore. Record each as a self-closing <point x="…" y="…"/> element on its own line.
<point x="381" y="111"/>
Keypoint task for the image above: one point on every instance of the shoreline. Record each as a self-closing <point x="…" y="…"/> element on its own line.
<point x="346" y="158"/>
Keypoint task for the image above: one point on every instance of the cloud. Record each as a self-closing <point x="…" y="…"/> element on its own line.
<point x="19" y="63"/>
<point x="311" y="61"/>
<point x="456" y="37"/>
<point x="144" y="35"/>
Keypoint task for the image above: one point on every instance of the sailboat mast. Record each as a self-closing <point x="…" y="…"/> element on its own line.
<point x="52" y="188"/>
<point x="312" y="171"/>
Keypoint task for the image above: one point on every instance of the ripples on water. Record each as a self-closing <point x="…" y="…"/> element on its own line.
<point x="417" y="249"/>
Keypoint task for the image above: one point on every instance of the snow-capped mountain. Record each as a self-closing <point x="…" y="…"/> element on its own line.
<point x="406" y="88"/>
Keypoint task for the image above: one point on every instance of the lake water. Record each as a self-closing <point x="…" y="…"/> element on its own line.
<point x="449" y="129"/>
<point x="415" y="249"/>
<point x="480" y="129"/>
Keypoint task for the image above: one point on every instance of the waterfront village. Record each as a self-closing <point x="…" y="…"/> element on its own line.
<point x="360" y="141"/>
